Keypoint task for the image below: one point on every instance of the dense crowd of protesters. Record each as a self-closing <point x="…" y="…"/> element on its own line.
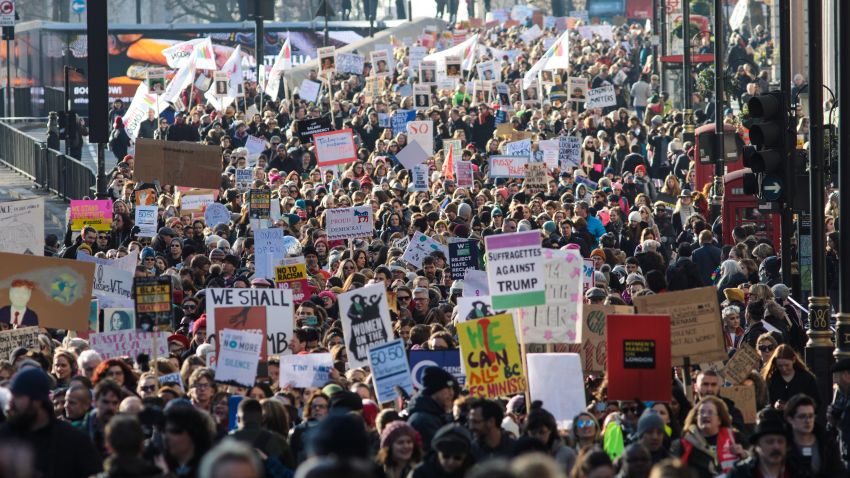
<point x="632" y="206"/>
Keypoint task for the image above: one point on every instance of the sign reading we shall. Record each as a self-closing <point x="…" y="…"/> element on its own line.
<point x="491" y="357"/>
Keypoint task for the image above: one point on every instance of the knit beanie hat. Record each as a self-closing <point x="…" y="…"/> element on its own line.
<point x="648" y="421"/>
<point x="31" y="382"/>
<point x="395" y="430"/>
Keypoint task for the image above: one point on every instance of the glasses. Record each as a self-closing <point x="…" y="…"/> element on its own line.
<point x="629" y="409"/>
<point x="420" y="299"/>
<point x="190" y="306"/>
<point x="201" y="386"/>
<point x="148" y="388"/>
<point x="766" y="348"/>
<point x="102" y="238"/>
<point x="584" y="423"/>
<point x="403" y="297"/>
<point x="319" y="406"/>
<point x="175" y="245"/>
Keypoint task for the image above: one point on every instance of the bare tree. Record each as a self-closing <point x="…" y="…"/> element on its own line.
<point x="205" y="11"/>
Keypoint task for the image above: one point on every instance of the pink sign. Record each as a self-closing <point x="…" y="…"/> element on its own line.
<point x="335" y="147"/>
<point x="94" y="213"/>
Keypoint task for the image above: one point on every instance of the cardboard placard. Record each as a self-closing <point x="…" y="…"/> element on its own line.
<point x="536" y="176"/>
<point x="638" y="357"/>
<point x="745" y="360"/>
<point x="22" y="226"/>
<point x="45" y="291"/>
<point x="26" y="337"/>
<point x="744" y="397"/>
<point x="490" y="356"/>
<point x="697" y="331"/>
<point x="178" y="163"/>
<point x="593" y="348"/>
<point x="366" y="323"/>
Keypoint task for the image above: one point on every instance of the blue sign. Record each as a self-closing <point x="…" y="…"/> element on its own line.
<point x="400" y="119"/>
<point x="501" y="116"/>
<point x="771" y="188"/>
<point x="388" y="363"/>
<point x="448" y="360"/>
<point x="78" y="6"/>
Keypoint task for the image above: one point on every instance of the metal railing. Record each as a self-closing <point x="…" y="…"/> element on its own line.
<point x="48" y="168"/>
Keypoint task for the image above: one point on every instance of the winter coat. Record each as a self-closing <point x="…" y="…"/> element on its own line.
<point x="426" y="417"/>
<point x="683" y="274"/>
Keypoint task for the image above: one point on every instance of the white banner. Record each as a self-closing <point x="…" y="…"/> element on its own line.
<point x="146" y="219"/>
<point x="601" y="97"/>
<point x="129" y="343"/>
<point x="307" y="370"/>
<point x="238" y="357"/>
<point x="349" y="222"/>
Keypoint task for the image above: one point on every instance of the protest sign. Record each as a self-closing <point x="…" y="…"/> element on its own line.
<point x="507" y="166"/>
<point x="309" y="127"/>
<point x="558" y="320"/>
<point x="349" y="222"/>
<point x="515" y="269"/>
<point x="115" y="319"/>
<point x="327" y="60"/>
<point x="244" y="178"/>
<point x="384" y="120"/>
<point x="51" y="292"/>
<point x="126" y="263"/>
<point x="423" y="133"/>
<point x="531" y="34"/>
<point x="388" y="363"/>
<point x="448" y="360"/>
<point x="215" y="214"/>
<point x="420" y="246"/>
<point x="349" y="63"/>
<point x="456" y="147"/>
<point x="380" y="63"/>
<point x="639" y="361"/>
<point x="196" y="200"/>
<point x="26" y="337"/>
<point x="475" y="283"/>
<point x="292" y="274"/>
<point x="569" y="151"/>
<point x="420" y="176"/>
<point x="475" y="307"/>
<point x="172" y="379"/>
<point x="179" y="163"/>
<point x="153" y="303"/>
<point x="491" y="357"/>
<point x="518" y="148"/>
<point x="22" y="226"/>
<point x="548" y="149"/>
<point x="577" y="89"/>
<point x="412" y="155"/>
<point x="421" y="97"/>
<point x="307" y="370"/>
<point x="255" y="147"/>
<point x="744" y="397"/>
<point x="129" y="343"/>
<point x="463" y="255"/>
<point x="366" y="321"/>
<point x="536" y="176"/>
<point x="238" y="357"/>
<point x="601" y="97"/>
<point x="91" y="212"/>
<point x="463" y="174"/>
<point x="268" y="249"/>
<point x="146" y="219"/>
<point x="259" y="203"/>
<point x="428" y="73"/>
<point x="564" y="398"/>
<point x="453" y="66"/>
<point x="415" y="55"/>
<point x="605" y="32"/>
<point x="113" y="286"/>
<point x="266" y="310"/>
<point x="400" y="120"/>
<point x="489" y="70"/>
<point x="588" y="274"/>
<point x="697" y="332"/>
<point x="335" y="147"/>
<point x="745" y="360"/>
<point x="504" y="95"/>
<point x="309" y="90"/>
<point x="593" y="348"/>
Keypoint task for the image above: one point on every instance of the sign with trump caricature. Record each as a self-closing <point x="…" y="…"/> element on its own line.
<point x="44" y="292"/>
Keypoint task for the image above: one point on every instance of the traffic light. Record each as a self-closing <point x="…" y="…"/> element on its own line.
<point x="767" y="157"/>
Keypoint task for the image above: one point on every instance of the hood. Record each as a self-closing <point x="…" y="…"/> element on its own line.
<point x="424" y="404"/>
<point x="128" y="466"/>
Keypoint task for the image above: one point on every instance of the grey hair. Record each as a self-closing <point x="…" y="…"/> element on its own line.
<point x="730" y="266"/>
<point x="87" y="356"/>
<point x="229" y="450"/>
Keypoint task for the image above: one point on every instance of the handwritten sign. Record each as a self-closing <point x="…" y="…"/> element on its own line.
<point x="388" y="363"/>
<point x="744" y="397"/>
<point x="601" y="97"/>
<point x="536" y="176"/>
<point x="305" y="370"/>
<point x="745" y="360"/>
<point x="593" y="348"/>
<point x="335" y="147"/>
<point x="267" y="310"/>
<point x="238" y="357"/>
<point x="196" y="201"/>
<point x="515" y="270"/>
<point x="129" y="343"/>
<point x="349" y="222"/>
<point x="259" y="203"/>
<point x="26" y="337"/>
<point x="420" y="177"/>
<point x="423" y="133"/>
<point x="146" y="219"/>
<point x="349" y="63"/>
<point x="215" y="214"/>
<point x="113" y="286"/>
<point x="518" y="148"/>
<point x="558" y="320"/>
<point x="508" y="166"/>
<point x="22" y="226"/>
<point x="420" y="246"/>
<point x="366" y="323"/>
<point x="309" y="90"/>
<point x="696" y="325"/>
<point x="153" y="303"/>
<point x="569" y="151"/>
<point x="491" y="357"/>
<point x="90" y="212"/>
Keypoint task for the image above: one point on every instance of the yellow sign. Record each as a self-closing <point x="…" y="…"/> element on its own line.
<point x="290" y="272"/>
<point x="490" y="353"/>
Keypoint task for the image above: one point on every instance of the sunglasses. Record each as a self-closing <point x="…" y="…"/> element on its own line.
<point x="148" y="388"/>
<point x="403" y="297"/>
<point x="629" y="409"/>
<point x="190" y="306"/>
<point x="584" y="423"/>
<point x="766" y="348"/>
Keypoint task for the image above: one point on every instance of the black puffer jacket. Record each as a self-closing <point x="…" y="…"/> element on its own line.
<point x="426" y="417"/>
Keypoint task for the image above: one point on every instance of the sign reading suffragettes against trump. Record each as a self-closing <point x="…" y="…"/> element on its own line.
<point x="335" y="147"/>
<point x="490" y="356"/>
<point x="515" y="270"/>
<point x="266" y="310"/>
<point x="365" y="315"/>
<point x="349" y="222"/>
